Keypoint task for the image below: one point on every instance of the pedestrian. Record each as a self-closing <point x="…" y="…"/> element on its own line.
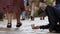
<point x="41" y="11"/>
<point x="11" y="6"/>
<point x="24" y="12"/>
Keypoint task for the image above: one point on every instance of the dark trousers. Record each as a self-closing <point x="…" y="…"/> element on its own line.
<point x="50" y="11"/>
<point x="57" y="12"/>
<point x="1" y="15"/>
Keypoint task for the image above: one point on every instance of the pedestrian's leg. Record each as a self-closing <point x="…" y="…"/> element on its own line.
<point x="23" y="15"/>
<point x="32" y="11"/>
<point x="9" y="16"/>
<point x="18" y="20"/>
<point x="27" y="16"/>
<point x="1" y="16"/>
<point x="27" y="12"/>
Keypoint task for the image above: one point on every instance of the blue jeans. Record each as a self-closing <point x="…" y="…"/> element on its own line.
<point x="23" y="14"/>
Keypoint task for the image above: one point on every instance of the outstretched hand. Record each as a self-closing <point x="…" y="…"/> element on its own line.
<point x="36" y="27"/>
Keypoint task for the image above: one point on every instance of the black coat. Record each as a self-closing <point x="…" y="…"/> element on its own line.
<point x="50" y="11"/>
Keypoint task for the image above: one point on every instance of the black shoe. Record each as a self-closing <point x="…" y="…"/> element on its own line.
<point x="32" y="18"/>
<point x="9" y="25"/>
<point x="23" y="19"/>
<point x="18" y="24"/>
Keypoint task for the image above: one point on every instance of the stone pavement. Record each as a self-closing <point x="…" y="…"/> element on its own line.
<point x="25" y="28"/>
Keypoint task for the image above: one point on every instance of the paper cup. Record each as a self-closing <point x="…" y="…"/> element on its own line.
<point x="32" y="25"/>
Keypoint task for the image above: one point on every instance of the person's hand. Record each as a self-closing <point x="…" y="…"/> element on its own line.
<point x="36" y="27"/>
